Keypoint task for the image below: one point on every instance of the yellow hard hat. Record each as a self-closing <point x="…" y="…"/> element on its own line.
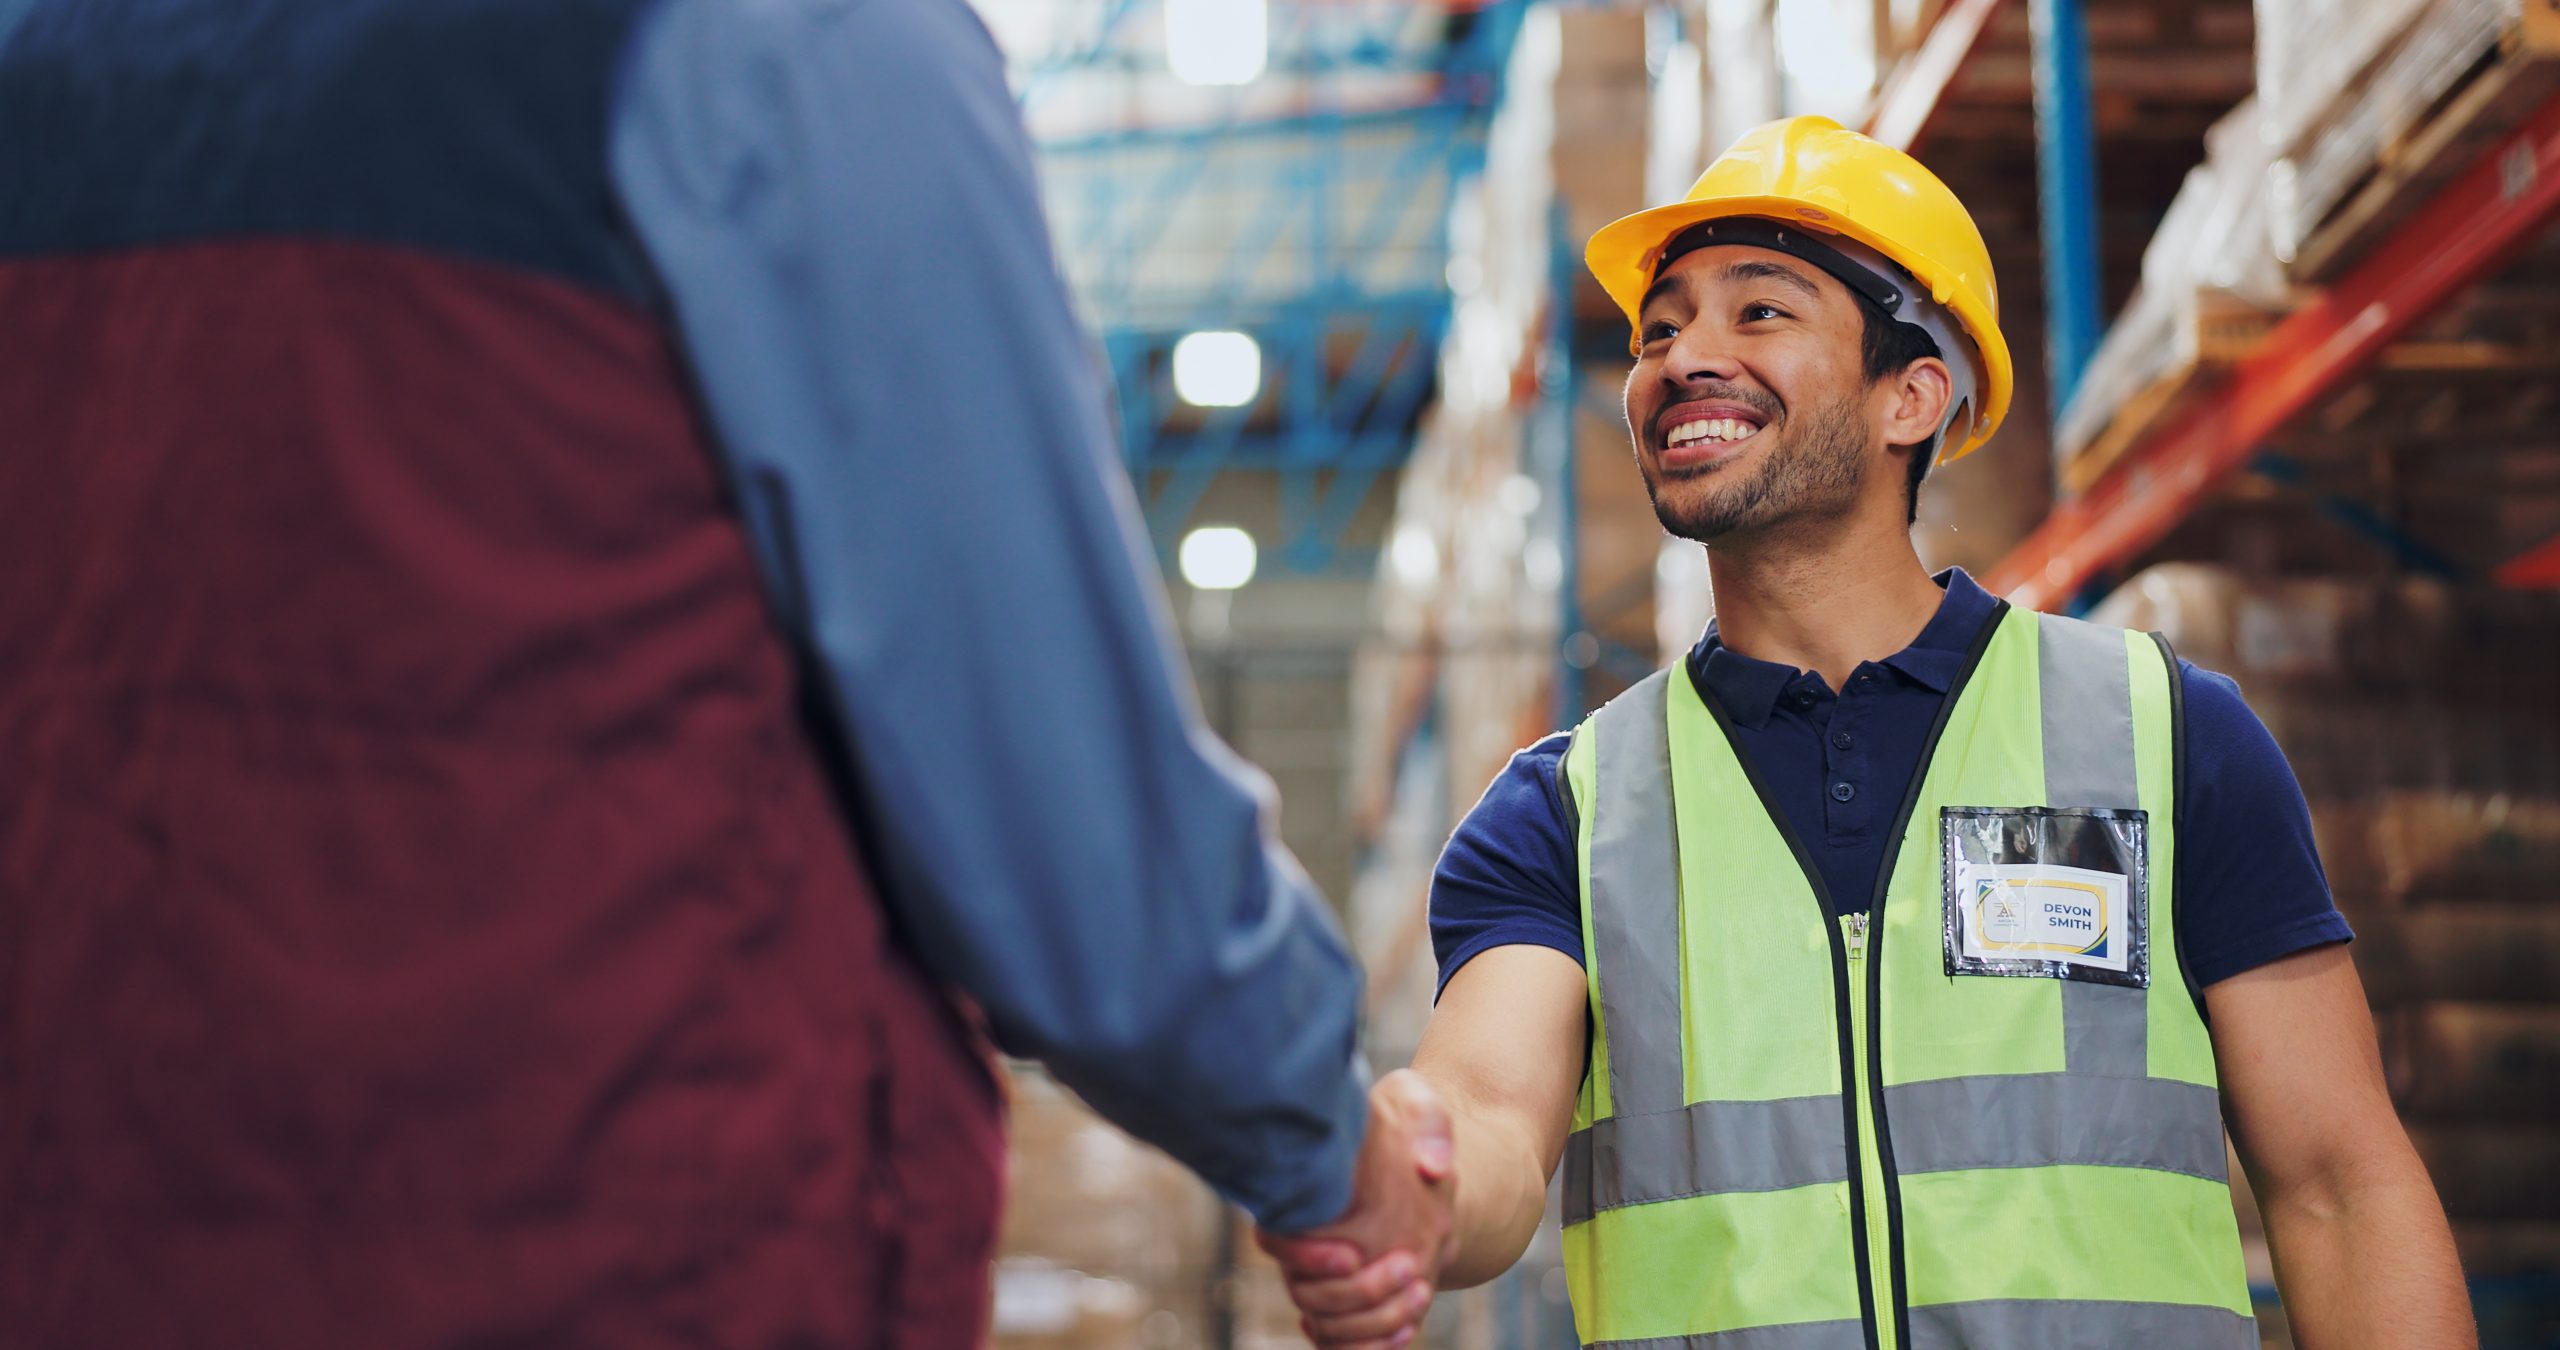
<point x="1811" y="173"/>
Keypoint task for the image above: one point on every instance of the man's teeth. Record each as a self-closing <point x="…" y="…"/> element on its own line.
<point x="1711" y="429"/>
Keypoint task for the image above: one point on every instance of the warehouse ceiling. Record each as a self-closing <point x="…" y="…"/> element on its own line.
<point x="1281" y="170"/>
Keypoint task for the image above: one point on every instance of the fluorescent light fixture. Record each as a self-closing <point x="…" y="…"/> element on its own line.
<point x="1218" y="558"/>
<point x="1217" y="369"/>
<point x="1217" y="41"/>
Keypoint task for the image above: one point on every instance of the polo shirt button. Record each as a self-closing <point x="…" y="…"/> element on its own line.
<point x="1841" y="740"/>
<point x="1803" y="700"/>
<point x="1841" y="792"/>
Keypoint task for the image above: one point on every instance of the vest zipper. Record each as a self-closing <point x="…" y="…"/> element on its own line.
<point x="1851" y="1009"/>
<point x="1870" y="1180"/>
<point x="1884" y="1230"/>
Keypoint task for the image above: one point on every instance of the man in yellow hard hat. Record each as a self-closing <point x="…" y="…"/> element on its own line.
<point x="1882" y="974"/>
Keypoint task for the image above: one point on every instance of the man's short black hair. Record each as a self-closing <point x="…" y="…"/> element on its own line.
<point x="1889" y="346"/>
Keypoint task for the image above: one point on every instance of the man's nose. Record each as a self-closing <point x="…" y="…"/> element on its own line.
<point x="1699" y="353"/>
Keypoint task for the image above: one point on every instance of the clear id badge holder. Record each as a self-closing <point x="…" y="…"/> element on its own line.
<point x="2049" y="893"/>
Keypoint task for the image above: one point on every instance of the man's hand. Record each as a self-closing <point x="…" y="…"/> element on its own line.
<point x="1401" y="1220"/>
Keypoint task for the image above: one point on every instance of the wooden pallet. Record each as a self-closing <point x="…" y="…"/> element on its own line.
<point x="2219" y="329"/>
<point x="2410" y="168"/>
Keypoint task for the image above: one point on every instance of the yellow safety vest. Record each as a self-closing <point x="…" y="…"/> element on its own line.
<point x="1982" y="1114"/>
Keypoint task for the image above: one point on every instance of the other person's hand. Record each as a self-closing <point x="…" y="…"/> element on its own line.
<point x="1364" y="1281"/>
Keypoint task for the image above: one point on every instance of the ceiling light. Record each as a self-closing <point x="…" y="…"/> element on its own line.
<point x="1217" y="369"/>
<point x="1218" y="558"/>
<point x="1217" y="41"/>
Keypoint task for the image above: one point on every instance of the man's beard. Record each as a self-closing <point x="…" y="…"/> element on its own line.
<point x="1818" y="479"/>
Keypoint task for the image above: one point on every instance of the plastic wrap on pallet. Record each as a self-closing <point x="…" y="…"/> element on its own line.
<point x="2216" y="236"/>
<point x="2432" y="54"/>
<point x="2312" y="52"/>
<point x="2140" y="347"/>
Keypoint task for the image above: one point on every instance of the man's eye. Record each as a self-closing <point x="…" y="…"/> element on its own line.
<point x="1660" y="330"/>
<point x="1756" y="313"/>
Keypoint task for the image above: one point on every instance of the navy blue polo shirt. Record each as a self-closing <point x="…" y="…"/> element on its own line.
<point x="1836" y="765"/>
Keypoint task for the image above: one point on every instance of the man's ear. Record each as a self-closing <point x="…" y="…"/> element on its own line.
<point x="1919" y="401"/>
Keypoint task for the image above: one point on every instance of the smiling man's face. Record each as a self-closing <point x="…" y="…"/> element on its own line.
<point x="1749" y="402"/>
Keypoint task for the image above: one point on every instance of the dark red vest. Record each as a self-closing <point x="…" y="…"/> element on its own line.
<point x="423" y="918"/>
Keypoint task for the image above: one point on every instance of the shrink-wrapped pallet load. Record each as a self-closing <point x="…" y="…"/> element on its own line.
<point x="2211" y="285"/>
<point x="2370" y="104"/>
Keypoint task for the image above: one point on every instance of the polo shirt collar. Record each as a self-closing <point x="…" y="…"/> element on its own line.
<point x="1749" y="689"/>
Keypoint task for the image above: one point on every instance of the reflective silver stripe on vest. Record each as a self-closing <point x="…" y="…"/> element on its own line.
<point x="2057" y="1120"/>
<point x="1706" y="1148"/>
<point x="2088" y="761"/>
<point x="1845" y="1334"/>
<point x="2001" y="1324"/>
<point x="1939" y="1125"/>
<point x="1635" y="898"/>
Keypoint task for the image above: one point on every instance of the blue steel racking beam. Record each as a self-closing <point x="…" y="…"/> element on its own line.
<point x="2474" y="224"/>
<point x="2067" y="193"/>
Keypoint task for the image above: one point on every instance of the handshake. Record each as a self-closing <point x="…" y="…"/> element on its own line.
<point x="1364" y="1281"/>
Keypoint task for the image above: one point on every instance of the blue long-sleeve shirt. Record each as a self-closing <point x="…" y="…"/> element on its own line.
<point x="839" y="200"/>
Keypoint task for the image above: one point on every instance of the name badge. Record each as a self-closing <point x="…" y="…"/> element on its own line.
<point x="2051" y="893"/>
<point x="2042" y="912"/>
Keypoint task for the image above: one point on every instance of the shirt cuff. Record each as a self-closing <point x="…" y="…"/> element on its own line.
<point x="1524" y="936"/>
<point x="2318" y="930"/>
<point x="1320" y="1192"/>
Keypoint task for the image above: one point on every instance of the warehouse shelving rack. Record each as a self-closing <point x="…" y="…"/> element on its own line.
<point x="2473" y="224"/>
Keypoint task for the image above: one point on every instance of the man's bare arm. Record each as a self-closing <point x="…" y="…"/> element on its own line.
<point x="1500" y="1061"/>
<point x="2362" y="1252"/>
<point x="1505" y="1049"/>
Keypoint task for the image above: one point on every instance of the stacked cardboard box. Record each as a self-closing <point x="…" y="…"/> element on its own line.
<point x="2423" y="724"/>
<point x="1106" y="1242"/>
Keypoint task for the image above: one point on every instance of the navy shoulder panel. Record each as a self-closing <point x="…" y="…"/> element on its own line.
<point x="476" y="127"/>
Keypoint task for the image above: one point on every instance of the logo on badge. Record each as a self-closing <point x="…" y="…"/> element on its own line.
<point x="2004" y="920"/>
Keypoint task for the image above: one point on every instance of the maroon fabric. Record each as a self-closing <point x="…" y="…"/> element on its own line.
<point x="422" y="919"/>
